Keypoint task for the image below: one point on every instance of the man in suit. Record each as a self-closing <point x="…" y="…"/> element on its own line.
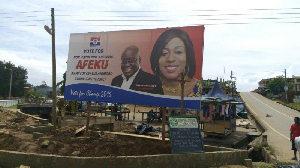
<point x="133" y="77"/>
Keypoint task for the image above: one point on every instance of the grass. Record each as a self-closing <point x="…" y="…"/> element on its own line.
<point x="269" y="148"/>
<point x="13" y="107"/>
<point x="293" y="105"/>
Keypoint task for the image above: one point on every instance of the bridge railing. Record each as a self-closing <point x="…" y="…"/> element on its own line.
<point x="8" y="103"/>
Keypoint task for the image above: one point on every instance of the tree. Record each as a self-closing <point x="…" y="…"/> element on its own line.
<point x="44" y="90"/>
<point x="62" y="83"/>
<point x="276" y="85"/>
<point x="19" y="79"/>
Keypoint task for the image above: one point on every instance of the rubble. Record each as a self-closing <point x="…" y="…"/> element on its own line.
<point x="31" y="136"/>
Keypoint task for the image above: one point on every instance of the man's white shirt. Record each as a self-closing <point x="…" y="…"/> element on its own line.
<point x="127" y="83"/>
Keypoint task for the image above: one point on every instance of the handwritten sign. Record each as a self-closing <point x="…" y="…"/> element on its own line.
<point x="185" y="134"/>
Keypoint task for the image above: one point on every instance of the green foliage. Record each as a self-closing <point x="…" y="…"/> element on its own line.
<point x="35" y="94"/>
<point x="19" y="79"/>
<point x="13" y="107"/>
<point x="292" y="105"/>
<point x="276" y="85"/>
<point x="62" y="84"/>
<point x="43" y="90"/>
<point x="269" y="148"/>
<point x="259" y="146"/>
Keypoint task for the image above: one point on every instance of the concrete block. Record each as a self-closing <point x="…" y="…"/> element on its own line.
<point x="29" y="129"/>
<point x="37" y="135"/>
<point x="112" y="162"/>
<point x="121" y="161"/>
<point x="248" y="163"/>
<point x="49" y="128"/>
<point x="69" y="122"/>
<point x="40" y="129"/>
<point x="44" y="121"/>
<point x="131" y="161"/>
<point x="3" y="125"/>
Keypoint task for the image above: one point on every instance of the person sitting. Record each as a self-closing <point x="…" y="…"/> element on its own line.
<point x="150" y="116"/>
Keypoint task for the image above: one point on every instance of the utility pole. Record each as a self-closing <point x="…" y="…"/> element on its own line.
<point x="53" y="69"/>
<point x="10" y="83"/>
<point x="231" y="77"/>
<point x="285" y="87"/>
<point x="52" y="33"/>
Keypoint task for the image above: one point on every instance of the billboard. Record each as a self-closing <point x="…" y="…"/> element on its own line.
<point x="137" y="66"/>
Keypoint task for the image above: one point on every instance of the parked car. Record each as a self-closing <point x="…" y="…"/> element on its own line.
<point x="48" y="101"/>
<point x="120" y="107"/>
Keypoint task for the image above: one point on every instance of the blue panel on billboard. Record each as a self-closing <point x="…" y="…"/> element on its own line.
<point x="85" y="92"/>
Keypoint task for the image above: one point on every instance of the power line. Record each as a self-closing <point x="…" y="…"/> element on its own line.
<point x="205" y="15"/>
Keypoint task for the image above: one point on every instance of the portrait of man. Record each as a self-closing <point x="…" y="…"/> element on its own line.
<point x="133" y="77"/>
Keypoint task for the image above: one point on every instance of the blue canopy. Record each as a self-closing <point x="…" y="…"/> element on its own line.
<point x="217" y="95"/>
<point x="217" y="92"/>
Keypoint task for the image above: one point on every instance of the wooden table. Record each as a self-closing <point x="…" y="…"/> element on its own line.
<point x="123" y="113"/>
<point x="142" y="114"/>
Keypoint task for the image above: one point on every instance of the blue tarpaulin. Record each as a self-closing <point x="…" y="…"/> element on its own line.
<point x="217" y="95"/>
<point x="217" y="92"/>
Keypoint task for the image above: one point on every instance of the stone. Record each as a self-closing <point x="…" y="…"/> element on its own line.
<point x="42" y="139"/>
<point x="2" y="125"/>
<point x="76" y="153"/>
<point x="45" y="144"/>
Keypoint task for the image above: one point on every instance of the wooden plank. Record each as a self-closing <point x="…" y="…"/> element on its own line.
<point x="79" y="130"/>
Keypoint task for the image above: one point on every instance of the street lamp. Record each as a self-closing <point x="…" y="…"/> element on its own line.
<point x="52" y="33"/>
<point x="9" y="93"/>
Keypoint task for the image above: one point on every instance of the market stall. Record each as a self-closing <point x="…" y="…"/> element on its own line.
<point x="218" y="112"/>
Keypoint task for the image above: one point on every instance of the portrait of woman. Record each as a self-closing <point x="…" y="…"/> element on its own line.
<point x="173" y="54"/>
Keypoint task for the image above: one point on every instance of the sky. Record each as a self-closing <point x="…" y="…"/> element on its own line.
<point x="252" y="40"/>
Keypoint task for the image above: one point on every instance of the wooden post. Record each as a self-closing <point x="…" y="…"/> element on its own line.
<point x="163" y="131"/>
<point x="88" y="118"/>
<point x="182" y="82"/>
<point x="134" y="112"/>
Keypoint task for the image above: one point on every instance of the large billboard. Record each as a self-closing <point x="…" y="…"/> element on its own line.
<point x="137" y="66"/>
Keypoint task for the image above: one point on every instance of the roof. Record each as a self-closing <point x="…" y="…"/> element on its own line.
<point x="216" y="94"/>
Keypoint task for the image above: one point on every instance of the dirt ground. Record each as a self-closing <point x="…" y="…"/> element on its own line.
<point x="64" y="142"/>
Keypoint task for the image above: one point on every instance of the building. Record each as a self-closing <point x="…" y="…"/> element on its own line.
<point x="295" y="80"/>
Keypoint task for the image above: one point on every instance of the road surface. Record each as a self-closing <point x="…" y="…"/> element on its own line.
<point x="276" y="119"/>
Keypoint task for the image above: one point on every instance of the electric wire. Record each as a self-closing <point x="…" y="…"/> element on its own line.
<point x="282" y="15"/>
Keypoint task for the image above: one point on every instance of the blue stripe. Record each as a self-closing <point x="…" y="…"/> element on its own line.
<point x="96" y="92"/>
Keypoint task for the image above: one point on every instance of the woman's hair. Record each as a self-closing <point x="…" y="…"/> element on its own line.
<point x="161" y="42"/>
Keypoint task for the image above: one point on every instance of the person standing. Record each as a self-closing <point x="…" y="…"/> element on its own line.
<point x="133" y="77"/>
<point x="295" y="132"/>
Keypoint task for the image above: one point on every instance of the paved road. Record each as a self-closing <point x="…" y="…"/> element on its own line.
<point x="277" y="126"/>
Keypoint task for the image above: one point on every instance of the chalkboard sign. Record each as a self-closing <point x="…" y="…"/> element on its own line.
<point x="185" y="134"/>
